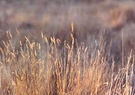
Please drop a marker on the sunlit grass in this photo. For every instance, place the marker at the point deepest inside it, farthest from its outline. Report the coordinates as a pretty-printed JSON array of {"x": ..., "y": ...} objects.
[{"x": 52, "y": 67}]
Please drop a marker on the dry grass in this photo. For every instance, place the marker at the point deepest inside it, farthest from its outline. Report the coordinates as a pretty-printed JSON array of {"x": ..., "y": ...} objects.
[
  {"x": 47, "y": 68},
  {"x": 63, "y": 62}
]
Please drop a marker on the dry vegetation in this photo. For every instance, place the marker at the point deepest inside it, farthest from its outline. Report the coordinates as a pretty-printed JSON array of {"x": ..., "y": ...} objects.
[
  {"x": 46, "y": 68},
  {"x": 47, "y": 56}
]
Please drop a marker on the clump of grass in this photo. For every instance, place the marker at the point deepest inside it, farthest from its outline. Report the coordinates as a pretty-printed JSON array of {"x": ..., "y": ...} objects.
[{"x": 52, "y": 67}]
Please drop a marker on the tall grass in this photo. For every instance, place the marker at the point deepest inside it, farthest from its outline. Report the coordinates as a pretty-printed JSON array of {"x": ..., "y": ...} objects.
[{"x": 52, "y": 67}]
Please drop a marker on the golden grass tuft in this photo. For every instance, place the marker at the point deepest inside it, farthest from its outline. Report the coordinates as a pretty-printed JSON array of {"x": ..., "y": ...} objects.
[{"x": 47, "y": 68}]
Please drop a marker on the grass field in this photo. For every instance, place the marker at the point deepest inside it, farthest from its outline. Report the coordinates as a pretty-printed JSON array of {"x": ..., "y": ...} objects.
[
  {"x": 67, "y": 48},
  {"x": 47, "y": 68}
]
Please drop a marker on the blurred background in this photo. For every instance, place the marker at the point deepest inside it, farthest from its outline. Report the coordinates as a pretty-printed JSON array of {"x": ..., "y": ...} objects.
[{"x": 53, "y": 18}]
